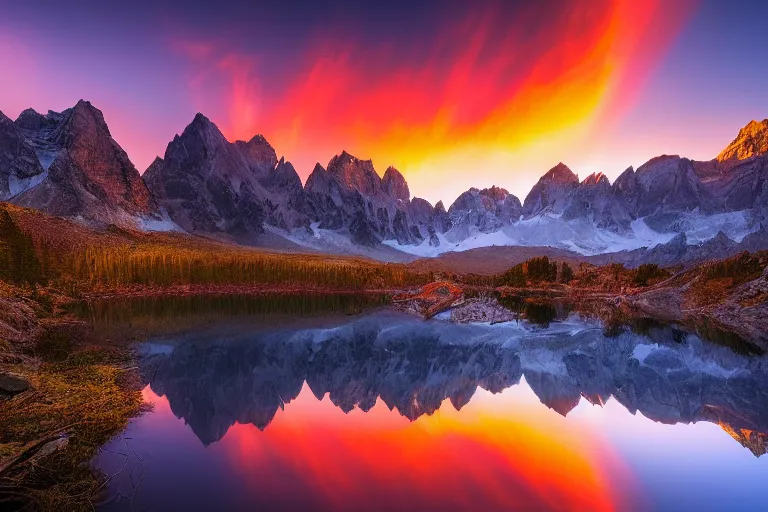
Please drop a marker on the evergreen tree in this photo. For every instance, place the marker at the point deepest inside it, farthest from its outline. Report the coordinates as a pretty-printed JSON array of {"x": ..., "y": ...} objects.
[
  {"x": 541, "y": 269},
  {"x": 514, "y": 277},
  {"x": 566, "y": 273}
]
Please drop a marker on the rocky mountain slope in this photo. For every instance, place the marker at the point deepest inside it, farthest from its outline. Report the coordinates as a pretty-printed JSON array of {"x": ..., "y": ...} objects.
[
  {"x": 209, "y": 185},
  {"x": 348, "y": 207},
  {"x": 68, "y": 164}
]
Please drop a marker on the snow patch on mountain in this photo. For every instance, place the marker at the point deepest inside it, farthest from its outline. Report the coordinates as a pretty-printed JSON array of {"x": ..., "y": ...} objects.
[
  {"x": 46, "y": 157},
  {"x": 583, "y": 237},
  {"x": 164, "y": 224},
  {"x": 700, "y": 228},
  {"x": 577, "y": 235},
  {"x": 16, "y": 186},
  {"x": 334, "y": 242}
]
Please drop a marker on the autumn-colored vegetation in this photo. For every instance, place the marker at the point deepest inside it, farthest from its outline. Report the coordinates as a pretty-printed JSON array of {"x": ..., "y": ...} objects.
[
  {"x": 430, "y": 299},
  {"x": 19, "y": 261},
  {"x": 536, "y": 271},
  {"x": 716, "y": 280},
  {"x": 162, "y": 266},
  {"x": 649, "y": 273},
  {"x": 740, "y": 269},
  {"x": 117, "y": 259}
]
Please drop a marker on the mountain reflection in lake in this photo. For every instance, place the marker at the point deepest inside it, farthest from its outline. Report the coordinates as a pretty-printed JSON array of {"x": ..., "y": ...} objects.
[{"x": 387, "y": 412}]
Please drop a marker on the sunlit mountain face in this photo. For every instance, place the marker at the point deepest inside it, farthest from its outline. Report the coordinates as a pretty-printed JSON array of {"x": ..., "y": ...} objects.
[
  {"x": 452, "y": 94},
  {"x": 383, "y": 412}
]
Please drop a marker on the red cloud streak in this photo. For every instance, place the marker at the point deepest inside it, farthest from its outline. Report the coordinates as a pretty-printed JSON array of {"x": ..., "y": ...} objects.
[{"x": 490, "y": 83}]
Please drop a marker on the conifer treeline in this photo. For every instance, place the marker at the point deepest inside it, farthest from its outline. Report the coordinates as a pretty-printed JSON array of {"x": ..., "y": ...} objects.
[
  {"x": 536, "y": 270},
  {"x": 163, "y": 266}
]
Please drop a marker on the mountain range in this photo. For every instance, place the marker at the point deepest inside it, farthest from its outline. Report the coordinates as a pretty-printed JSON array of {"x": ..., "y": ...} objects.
[{"x": 68, "y": 164}]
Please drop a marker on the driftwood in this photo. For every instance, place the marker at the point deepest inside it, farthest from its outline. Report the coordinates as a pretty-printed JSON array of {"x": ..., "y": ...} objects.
[
  {"x": 40, "y": 447},
  {"x": 34, "y": 447}
]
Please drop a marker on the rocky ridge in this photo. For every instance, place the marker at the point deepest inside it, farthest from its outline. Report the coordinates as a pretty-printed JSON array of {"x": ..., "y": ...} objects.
[
  {"x": 78, "y": 169},
  {"x": 68, "y": 164}
]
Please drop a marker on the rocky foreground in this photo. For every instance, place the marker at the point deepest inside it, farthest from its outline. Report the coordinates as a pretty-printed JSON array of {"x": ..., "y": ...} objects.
[
  {"x": 709, "y": 297},
  {"x": 725, "y": 299}
]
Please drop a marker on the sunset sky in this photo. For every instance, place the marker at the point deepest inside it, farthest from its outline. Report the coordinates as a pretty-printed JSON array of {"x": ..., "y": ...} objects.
[{"x": 454, "y": 94}]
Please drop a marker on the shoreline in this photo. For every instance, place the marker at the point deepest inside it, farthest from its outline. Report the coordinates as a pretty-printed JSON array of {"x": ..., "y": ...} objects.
[{"x": 149, "y": 291}]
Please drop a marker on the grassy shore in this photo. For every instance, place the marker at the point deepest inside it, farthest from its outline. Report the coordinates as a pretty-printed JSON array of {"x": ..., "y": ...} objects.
[{"x": 79, "y": 396}]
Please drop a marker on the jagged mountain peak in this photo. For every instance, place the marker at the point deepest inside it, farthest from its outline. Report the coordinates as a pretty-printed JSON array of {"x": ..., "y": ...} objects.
[
  {"x": 258, "y": 139},
  {"x": 30, "y": 119},
  {"x": 394, "y": 184},
  {"x": 552, "y": 192},
  {"x": 201, "y": 132},
  {"x": 285, "y": 164},
  {"x": 752, "y": 140},
  {"x": 721, "y": 237},
  {"x": 19, "y": 166},
  {"x": 85, "y": 105},
  {"x": 87, "y": 173},
  {"x": 283, "y": 177},
  {"x": 202, "y": 125},
  {"x": 655, "y": 161},
  {"x": 495, "y": 193},
  {"x": 626, "y": 180},
  {"x": 260, "y": 156},
  {"x": 85, "y": 116},
  {"x": 355, "y": 173},
  {"x": 153, "y": 167},
  {"x": 596, "y": 178},
  {"x": 346, "y": 158},
  {"x": 560, "y": 173},
  {"x": 201, "y": 119}
]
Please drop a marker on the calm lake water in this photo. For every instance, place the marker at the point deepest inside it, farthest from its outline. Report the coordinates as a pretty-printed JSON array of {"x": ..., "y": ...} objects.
[{"x": 258, "y": 408}]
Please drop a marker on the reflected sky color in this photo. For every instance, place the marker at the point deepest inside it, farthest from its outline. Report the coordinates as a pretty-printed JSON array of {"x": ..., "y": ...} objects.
[
  {"x": 500, "y": 452},
  {"x": 492, "y": 93}
]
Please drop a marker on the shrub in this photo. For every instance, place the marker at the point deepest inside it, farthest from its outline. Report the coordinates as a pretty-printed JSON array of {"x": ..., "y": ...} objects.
[
  {"x": 648, "y": 272},
  {"x": 616, "y": 270},
  {"x": 514, "y": 277},
  {"x": 741, "y": 268},
  {"x": 541, "y": 269}
]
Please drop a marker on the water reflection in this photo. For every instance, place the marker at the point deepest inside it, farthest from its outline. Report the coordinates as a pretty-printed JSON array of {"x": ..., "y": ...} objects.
[{"x": 214, "y": 380}]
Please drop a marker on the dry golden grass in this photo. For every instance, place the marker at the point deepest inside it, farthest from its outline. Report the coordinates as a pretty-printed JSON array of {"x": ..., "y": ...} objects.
[
  {"x": 161, "y": 265},
  {"x": 80, "y": 402},
  {"x": 75, "y": 259}
]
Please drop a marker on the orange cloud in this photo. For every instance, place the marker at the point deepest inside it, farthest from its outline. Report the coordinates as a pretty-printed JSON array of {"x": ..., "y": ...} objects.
[{"x": 508, "y": 95}]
